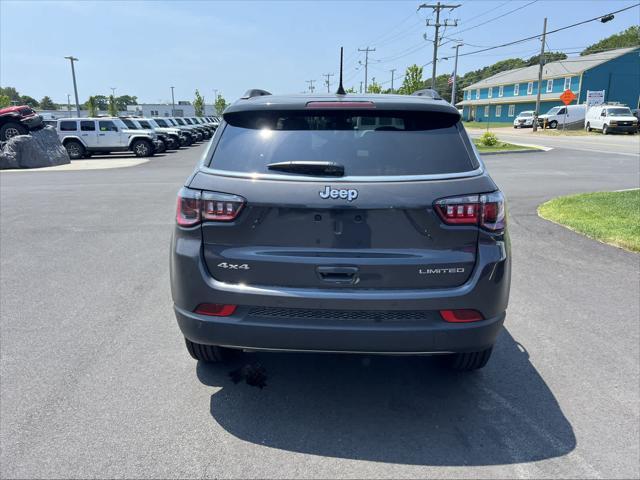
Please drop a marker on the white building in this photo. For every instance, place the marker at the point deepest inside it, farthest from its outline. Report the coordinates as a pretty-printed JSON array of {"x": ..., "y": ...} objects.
[{"x": 165, "y": 110}]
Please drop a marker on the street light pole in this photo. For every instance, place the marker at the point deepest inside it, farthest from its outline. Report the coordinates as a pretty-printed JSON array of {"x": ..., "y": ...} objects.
[
  {"x": 69, "y": 104},
  {"x": 173, "y": 103},
  {"x": 455, "y": 75},
  {"x": 75, "y": 86}
]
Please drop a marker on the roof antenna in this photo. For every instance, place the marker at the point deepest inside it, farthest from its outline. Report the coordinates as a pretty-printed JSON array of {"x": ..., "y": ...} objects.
[{"x": 340, "y": 87}]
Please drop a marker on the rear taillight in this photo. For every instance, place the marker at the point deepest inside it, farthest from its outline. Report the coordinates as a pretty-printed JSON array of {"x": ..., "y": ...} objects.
[
  {"x": 486, "y": 210},
  {"x": 220, "y": 207},
  {"x": 215, "y": 309},
  {"x": 188, "y": 208},
  {"x": 461, "y": 315},
  {"x": 195, "y": 207}
]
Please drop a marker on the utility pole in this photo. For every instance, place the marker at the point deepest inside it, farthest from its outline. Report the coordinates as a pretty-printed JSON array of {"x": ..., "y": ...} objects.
[
  {"x": 173, "y": 103},
  {"x": 437, "y": 8},
  {"x": 455, "y": 75},
  {"x": 311, "y": 87},
  {"x": 360, "y": 86},
  {"x": 113, "y": 91},
  {"x": 366, "y": 65},
  {"x": 328, "y": 80},
  {"x": 537, "y": 112},
  {"x": 393, "y": 71},
  {"x": 75, "y": 86}
]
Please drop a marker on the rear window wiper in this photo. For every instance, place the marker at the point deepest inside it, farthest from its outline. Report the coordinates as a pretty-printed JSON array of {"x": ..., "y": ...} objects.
[{"x": 327, "y": 169}]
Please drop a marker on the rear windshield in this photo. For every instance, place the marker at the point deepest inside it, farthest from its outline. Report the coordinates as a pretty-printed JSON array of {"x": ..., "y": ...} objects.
[{"x": 365, "y": 143}]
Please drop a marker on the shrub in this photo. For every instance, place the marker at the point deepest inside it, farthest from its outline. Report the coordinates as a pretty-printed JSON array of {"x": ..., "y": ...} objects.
[{"x": 489, "y": 139}]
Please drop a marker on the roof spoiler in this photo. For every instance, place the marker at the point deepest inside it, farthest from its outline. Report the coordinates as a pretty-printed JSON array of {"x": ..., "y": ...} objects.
[
  {"x": 254, "y": 92},
  {"x": 427, "y": 92}
]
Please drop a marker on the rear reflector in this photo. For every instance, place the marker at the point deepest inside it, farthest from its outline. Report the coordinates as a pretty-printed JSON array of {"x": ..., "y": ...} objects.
[
  {"x": 215, "y": 309},
  {"x": 341, "y": 105},
  {"x": 461, "y": 316}
]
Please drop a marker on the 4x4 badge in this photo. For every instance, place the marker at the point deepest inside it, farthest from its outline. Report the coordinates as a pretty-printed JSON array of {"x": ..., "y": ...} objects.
[{"x": 345, "y": 194}]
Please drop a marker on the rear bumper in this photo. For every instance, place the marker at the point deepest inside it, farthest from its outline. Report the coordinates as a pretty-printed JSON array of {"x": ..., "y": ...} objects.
[
  {"x": 255, "y": 333},
  {"x": 487, "y": 291}
]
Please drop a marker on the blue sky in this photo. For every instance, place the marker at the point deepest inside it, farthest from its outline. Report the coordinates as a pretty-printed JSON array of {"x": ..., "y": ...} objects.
[{"x": 144, "y": 47}]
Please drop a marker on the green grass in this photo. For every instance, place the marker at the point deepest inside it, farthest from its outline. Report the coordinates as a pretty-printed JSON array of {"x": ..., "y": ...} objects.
[
  {"x": 610, "y": 217},
  {"x": 499, "y": 147},
  {"x": 490, "y": 124}
]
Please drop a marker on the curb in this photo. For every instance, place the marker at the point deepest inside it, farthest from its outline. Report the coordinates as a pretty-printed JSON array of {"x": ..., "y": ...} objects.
[{"x": 511, "y": 151}]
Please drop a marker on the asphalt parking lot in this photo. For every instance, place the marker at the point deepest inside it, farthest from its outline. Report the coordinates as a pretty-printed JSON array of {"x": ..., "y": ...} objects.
[{"x": 96, "y": 381}]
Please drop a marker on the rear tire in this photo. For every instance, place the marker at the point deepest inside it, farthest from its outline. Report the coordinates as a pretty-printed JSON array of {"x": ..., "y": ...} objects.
[
  {"x": 162, "y": 147},
  {"x": 75, "y": 149},
  {"x": 469, "y": 361},
  {"x": 207, "y": 353}
]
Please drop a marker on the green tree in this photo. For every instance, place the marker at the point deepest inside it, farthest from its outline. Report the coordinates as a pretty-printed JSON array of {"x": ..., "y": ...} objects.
[
  {"x": 548, "y": 57},
  {"x": 124, "y": 100},
  {"x": 412, "y": 80},
  {"x": 374, "y": 87},
  {"x": 198, "y": 104},
  {"x": 92, "y": 106},
  {"x": 101, "y": 102},
  {"x": 47, "y": 104},
  {"x": 351, "y": 90},
  {"x": 10, "y": 92},
  {"x": 627, "y": 38},
  {"x": 220, "y": 104},
  {"x": 112, "y": 108},
  {"x": 5, "y": 101},
  {"x": 27, "y": 100}
]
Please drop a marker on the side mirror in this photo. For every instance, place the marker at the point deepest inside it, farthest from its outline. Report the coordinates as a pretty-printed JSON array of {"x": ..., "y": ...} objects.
[{"x": 603, "y": 114}]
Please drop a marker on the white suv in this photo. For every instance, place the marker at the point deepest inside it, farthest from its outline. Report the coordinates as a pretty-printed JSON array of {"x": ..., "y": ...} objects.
[
  {"x": 83, "y": 137},
  {"x": 524, "y": 119}
]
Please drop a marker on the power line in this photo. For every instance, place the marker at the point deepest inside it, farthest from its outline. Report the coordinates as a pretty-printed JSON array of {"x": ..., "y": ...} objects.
[
  {"x": 549, "y": 32},
  {"x": 457, "y": 32}
]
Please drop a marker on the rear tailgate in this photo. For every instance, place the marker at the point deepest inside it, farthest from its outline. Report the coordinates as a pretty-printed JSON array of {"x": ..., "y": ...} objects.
[{"x": 374, "y": 228}]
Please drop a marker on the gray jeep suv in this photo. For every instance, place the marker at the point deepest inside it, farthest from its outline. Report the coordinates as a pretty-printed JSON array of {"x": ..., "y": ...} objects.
[{"x": 360, "y": 224}]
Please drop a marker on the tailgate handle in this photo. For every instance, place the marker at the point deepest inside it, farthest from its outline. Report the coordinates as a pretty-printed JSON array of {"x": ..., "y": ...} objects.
[{"x": 339, "y": 275}]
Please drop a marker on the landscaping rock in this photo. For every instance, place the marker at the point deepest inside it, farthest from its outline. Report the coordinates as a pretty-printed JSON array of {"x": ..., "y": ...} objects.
[{"x": 41, "y": 148}]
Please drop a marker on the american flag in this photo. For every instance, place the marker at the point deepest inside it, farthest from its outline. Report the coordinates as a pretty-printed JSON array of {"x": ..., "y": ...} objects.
[{"x": 450, "y": 80}]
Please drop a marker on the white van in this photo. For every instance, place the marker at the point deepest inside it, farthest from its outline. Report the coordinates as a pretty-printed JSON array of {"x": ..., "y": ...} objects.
[
  {"x": 611, "y": 118},
  {"x": 569, "y": 116}
]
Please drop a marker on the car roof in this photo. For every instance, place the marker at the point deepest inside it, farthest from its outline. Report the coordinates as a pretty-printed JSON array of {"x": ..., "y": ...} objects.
[{"x": 299, "y": 102}]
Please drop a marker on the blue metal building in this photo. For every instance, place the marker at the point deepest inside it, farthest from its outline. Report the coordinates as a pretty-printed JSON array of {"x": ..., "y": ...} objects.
[{"x": 501, "y": 97}]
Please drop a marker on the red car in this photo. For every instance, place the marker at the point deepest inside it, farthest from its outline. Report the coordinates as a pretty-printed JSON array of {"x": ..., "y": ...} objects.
[{"x": 18, "y": 120}]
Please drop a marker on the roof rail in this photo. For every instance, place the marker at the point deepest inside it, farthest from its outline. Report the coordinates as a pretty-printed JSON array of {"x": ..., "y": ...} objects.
[
  {"x": 427, "y": 92},
  {"x": 254, "y": 92}
]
